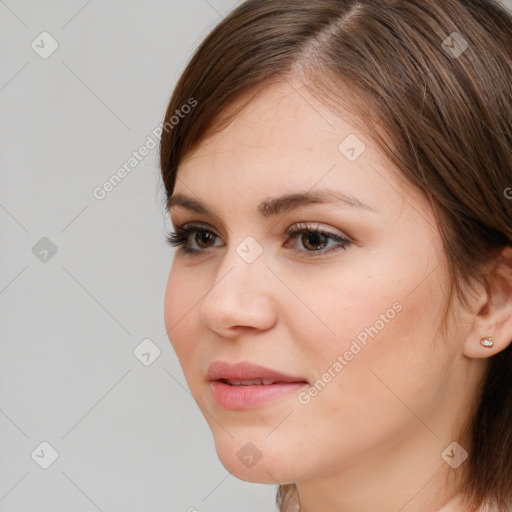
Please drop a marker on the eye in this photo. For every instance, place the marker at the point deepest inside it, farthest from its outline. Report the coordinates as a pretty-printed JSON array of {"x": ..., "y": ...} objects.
[
  {"x": 203, "y": 237},
  {"x": 314, "y": 239}
]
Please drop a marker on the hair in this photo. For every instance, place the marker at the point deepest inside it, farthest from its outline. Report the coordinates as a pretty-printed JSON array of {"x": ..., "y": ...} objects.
[{"x": 443, "y": 118}]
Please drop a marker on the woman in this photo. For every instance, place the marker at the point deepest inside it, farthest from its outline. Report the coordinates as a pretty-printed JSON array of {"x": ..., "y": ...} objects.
[{"x": 339, "y": 173}]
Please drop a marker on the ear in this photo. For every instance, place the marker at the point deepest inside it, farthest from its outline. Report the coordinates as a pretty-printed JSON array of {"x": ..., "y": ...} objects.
[{"x": 494, "y": 311}]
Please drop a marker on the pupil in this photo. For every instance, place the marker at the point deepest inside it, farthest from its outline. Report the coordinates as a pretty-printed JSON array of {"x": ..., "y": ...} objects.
[
  {"x": 314, "y": 238},
  {"x": 203, "y": 237}
]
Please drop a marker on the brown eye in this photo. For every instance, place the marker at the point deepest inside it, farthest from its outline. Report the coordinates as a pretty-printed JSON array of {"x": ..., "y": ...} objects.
[
  {"x": 313, "y": 239},
  {"x": 192, "y": 239},
  {"x": 203, "y": 238}
]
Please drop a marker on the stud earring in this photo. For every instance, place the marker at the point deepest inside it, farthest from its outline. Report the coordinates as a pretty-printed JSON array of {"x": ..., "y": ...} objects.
[{"x": 487, "y": 342}]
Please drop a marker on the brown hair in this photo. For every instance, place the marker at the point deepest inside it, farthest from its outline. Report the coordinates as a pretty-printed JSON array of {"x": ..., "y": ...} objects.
[{"x": 440, "y": 111}]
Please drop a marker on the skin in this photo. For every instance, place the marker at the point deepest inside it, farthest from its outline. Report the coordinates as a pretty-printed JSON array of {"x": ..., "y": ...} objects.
[{"x": 372, "y": 438}]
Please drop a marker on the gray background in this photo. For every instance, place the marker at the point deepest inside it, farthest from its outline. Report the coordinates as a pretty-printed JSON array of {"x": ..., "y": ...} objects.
[{"x": 129, "y": 437}]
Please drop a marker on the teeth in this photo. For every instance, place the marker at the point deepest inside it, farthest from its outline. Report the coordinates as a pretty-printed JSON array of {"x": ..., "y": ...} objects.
[{"x": 250, "y": 382}]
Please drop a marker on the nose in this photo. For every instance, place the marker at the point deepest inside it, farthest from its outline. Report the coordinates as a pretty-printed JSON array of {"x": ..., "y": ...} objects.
[{"x": 240, "y": 297}]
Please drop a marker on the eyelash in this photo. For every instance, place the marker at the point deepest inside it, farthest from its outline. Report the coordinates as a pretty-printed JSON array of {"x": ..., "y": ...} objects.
[{"x": 181, "y": 235}]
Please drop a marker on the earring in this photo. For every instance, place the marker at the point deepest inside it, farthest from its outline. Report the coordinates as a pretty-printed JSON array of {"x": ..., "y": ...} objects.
[{"x": 487, "y": 342}]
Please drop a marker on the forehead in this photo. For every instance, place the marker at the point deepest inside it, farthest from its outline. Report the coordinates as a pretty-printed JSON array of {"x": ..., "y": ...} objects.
[
  {"x": 281, "y": 123},
  {"x": 285, "y": 140},
  {"x": 276, "y": 116}
]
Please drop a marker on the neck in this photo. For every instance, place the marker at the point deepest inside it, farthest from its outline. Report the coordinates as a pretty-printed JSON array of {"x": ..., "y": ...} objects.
[{"x": 410, "y": 476}]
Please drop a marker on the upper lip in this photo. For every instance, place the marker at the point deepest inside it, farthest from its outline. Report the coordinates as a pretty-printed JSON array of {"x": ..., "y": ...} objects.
[{"x": 219, "y": 370}]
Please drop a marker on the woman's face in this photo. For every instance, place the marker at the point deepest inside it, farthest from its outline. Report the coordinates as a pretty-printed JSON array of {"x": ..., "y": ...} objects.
[{"x": 358, "y": 322}]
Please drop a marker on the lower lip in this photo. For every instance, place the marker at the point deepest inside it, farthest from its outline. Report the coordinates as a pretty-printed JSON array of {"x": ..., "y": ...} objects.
[{"x": 246, "y": 397}]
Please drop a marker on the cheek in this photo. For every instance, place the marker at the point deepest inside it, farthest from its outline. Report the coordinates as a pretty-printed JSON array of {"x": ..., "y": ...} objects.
[
  {"x": 180, "y": 323},
  {"x": 384, "y": 349},
  {"x": 380, "y": 322}
]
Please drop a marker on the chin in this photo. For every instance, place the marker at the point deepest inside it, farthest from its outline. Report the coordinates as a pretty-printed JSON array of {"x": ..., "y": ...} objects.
[{"x": 254, "y": 460}]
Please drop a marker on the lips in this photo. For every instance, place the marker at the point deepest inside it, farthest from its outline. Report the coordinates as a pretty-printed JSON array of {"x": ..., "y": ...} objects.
[
  {"x": 243, "y": 385},
  {"x": 249, "y": 382},
  {"x": 247, "y": 374}
]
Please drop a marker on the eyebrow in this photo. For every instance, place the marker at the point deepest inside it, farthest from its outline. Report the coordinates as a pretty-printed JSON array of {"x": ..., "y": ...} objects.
[{"x": 278, "y": 205}]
